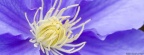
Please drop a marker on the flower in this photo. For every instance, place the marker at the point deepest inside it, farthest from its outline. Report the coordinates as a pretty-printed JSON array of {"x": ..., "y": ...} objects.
[{"x": 15, "y": 30}]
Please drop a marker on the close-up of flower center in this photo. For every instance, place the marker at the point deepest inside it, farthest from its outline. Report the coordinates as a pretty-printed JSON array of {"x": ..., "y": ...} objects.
[
  {"x": 71, "y": 27},
  {"x": 53, "y": 31}
]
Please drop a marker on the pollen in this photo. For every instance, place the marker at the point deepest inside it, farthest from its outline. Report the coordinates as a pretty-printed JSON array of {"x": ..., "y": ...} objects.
[{"x": 53, "y": 32}]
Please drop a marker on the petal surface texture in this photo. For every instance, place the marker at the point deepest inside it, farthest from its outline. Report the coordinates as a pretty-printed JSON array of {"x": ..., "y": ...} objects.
[
  {"x": 119, "y": 43},
  {"x": 109, "y": 16},
  {"x": 16, "y": 45}
]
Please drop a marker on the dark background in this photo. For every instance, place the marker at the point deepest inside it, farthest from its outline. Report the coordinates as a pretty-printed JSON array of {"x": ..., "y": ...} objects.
[{"x": 142, "y": 28}]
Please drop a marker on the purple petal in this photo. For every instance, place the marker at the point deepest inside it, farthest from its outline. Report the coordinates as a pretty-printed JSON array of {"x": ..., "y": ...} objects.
[
  {"x": 112, "y": 16},
  {"x": 12, "y": 14},
  {"x": 70, "y": 12},
  {"x": 119, "y": 43},
  {"x": 16, "y": 45},
  {"x": 76, "y": 53},
  {"x": 12, "y": 17},
  {"x": 32, "y": 4},
  {"x": 94, "y": 7}
]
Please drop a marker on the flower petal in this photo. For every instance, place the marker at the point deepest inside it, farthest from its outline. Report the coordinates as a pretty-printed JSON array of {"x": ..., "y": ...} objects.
[
  {"x": 16, "y": 45},
  {"x": 12, "y": 14},
  {"x": 112, "y": 16},
  {"x": 32, "y": 4},
  {"x": 119, "y": 43},
  {"x": 71, "y": 11},
  {"x": 76, "y": 53}
]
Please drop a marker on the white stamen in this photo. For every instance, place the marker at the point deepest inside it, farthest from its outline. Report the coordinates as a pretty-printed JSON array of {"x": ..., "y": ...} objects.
[
  {"x": 71, "y": 6},
  {"x": 77, "y": 35},
  {"x": 58, "y": 53},
  {"x": 46, "y": 51},
  {"x": 76, "y": 21},
  {"x": 32, "y": 32},
  {"x": 49, "y": 13},
  {"x": 33, "y": 41},
  {"x": 42, "y": 48},
  {"x": 36, "y": 45},
  {"x": 62, "y": 10},
  {"x": 54, "y": 53},
  {"x": 36, "y": 13},
  {"x": 75, "y": 15},
  {"x": 73, "y": 28},
  {"x": 55, "y": 13},
  {"x": 74, "y": 45},
  {"x": 55, "y": 3},
  {"x": 41, "y": 13},
  {"x": 60, "y": 1},
  {"x": 27, "y": 19},
  {"x": 64, "y": 18}
]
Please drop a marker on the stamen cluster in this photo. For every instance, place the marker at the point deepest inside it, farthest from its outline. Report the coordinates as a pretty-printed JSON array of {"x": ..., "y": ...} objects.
[{"x": 53, "y": 32}]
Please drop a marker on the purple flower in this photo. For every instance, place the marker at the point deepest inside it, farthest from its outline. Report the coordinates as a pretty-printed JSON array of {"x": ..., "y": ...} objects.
[{"x": 92, "y": 27}]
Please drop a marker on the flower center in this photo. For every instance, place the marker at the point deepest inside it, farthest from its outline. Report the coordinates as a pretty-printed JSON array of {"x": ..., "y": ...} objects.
[
  {"x": 51, "y": 33},
  {"x": 54, "y": 32}
]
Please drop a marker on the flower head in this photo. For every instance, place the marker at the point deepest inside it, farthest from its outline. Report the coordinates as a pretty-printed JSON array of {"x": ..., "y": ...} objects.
[
  {"x": 68, "y": 30},
  {"x": 54, "y": 31}
]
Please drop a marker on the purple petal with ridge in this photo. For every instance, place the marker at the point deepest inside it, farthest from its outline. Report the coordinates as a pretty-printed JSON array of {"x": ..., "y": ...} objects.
[
  {"x": 109, "y": 16},
  {"x": 119, "y": 43},
  {"x": 12, "y": 14},
  {"x": 16, "y": 45}
]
